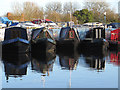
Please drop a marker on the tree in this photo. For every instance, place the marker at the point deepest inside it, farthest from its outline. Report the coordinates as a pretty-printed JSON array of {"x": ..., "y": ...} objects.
[
  {"x": 69, "y": 7},
  {"x": 53, "y": 11},
  {"x": 54, "y": 6},
  {"x": 32, "y": 11},
  {"x": 83, "y": 16},
  {"x": 111, "y": 16},
  {"x": 98, "y": 9},
  {"x": 17, "y": 8}
]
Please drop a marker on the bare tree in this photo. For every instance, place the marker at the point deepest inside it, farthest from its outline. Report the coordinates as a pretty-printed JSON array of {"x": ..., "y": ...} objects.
[
  {"x": 32, "y": 10},
  {"x": 54, "y": 6},
  {"x": 98, "y": 9},
  {"x": 98, "y": 6},
  {"x": 17, "y": 8},
  {"x": 70, "y": 7}
]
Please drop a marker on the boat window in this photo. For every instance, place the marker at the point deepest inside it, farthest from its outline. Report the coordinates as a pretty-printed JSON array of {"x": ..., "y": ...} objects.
[{"x": 64, "y": 32}]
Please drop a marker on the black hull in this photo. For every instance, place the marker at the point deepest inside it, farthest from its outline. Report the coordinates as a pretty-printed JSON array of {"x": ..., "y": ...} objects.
[
  {"x": 95, "y": 46},
  {"x": 114, "y": 45},
  {"x": 15, "y": 47},
  {"x": 43, "y": 46},
  {"x": 67, "y": 45},
  {"x": 46, "y": 56}
]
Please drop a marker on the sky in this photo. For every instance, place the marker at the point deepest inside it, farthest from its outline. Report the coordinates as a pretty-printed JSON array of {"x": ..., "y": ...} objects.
[{"x": 6, "y": 5}]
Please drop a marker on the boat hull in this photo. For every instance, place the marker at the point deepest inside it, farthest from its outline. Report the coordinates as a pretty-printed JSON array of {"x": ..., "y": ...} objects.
[
  {"x": 67, "y": 45},
  {"x": 96, "y": 45},
  {"x": 114, "y": 45},
  {"x": 17, "y": 46},
  {"x": 42, "y": 46}
]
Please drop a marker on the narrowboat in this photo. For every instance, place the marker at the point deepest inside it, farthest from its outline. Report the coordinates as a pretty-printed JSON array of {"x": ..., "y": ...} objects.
[
  {"x": 94, "y": 39},
  {"x": 42, "y": 40},
  {"x": 15, "y": 40},
  {"x": 68, "y": 39},
  {"x": 56, "y": 32},
  {"x": 114, "y": 42}
]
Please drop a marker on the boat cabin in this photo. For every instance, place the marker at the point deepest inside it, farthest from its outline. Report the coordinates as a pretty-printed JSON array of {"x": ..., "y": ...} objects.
[
  {"x": 68, "y": 33},
  {"x": 41, "y": 33},
  {"x": 115, "y": 35},
  {"x": 95, "y": 33},
  {"x": 15, "y": 32}
]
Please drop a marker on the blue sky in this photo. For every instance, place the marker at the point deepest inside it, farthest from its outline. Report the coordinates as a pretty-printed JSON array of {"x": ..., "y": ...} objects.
[{"x": 5, "y": 5}]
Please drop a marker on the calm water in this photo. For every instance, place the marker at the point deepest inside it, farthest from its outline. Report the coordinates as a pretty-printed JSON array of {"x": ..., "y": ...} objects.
[{"x": 74, "y": 70}]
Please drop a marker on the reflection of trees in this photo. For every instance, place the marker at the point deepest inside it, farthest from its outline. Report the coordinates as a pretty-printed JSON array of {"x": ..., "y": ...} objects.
[{"x": 15, "y": 65}]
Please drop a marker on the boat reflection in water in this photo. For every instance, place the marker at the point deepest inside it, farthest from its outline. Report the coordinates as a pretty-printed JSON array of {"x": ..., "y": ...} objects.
[
  {"x": 43, "y": 63},
  {"x": 115, "y": 57},
  {"x": 15, "y": 65},
  {"x": 68, "y": 60},
  {"x": 95, "y": 60}
]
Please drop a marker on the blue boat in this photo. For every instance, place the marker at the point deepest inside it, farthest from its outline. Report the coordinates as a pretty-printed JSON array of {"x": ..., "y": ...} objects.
[{"x": 15, "y": 40}]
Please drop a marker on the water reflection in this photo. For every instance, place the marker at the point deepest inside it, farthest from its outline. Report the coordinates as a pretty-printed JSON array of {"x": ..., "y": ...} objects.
[
  {"x": 43, "y": 63},
  {"x": 73, "y": 64},
  {"x": 114, "y": 57},
  {"x": 95, "y": 60},
  {"x": 68, "y": 60},
  {"x": 15, "y": 65}
]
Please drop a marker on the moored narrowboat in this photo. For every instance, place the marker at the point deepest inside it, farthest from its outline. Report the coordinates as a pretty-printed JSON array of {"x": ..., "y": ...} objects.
[
  {"x": 114, "y": 41},
  {"x": 68, "y": 39},
  {"x": 15, "y": 40},
  {"x": 42, "y": 40},
  {"x": 94, "y": 39}
]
